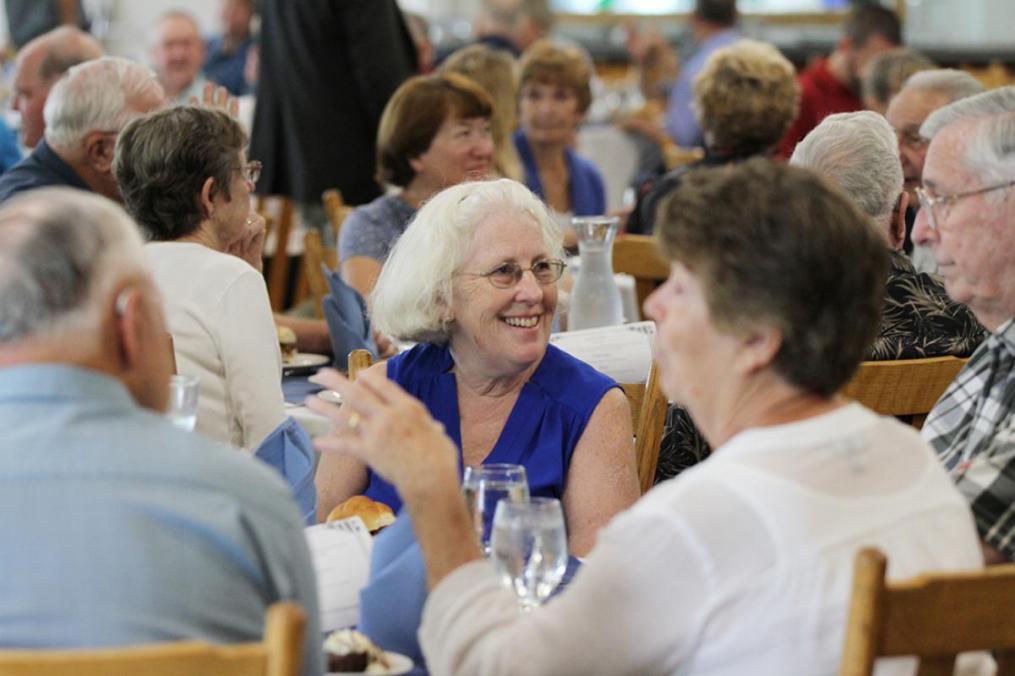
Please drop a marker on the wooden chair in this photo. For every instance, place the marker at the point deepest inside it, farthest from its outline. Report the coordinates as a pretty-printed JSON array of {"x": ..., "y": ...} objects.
[
  {"x": 314, "y": 255},
  {"x": 648, "y": 415},
  {"x": 933, "y": 617},
  {"x": 908, "y": 387},
  {"x": 337, "y": 210},
  {"x": 636, "y": 255},
  {"x": 358, "y": 361},
  {"x": 280, "y": 653},
  {"x": 278, "y": 214}
]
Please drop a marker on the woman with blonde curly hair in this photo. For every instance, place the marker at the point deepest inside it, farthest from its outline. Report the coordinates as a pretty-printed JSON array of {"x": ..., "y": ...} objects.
[
  {"x": 745, "y": 97},
  {"x": 495, "y": 71}
]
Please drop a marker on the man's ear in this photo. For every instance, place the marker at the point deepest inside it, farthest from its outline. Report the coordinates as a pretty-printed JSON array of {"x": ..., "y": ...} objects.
[
  {"x": 99, "y": 150},
  {"x": 897, "y": 227},
  {"x": 130, "y": 328}
]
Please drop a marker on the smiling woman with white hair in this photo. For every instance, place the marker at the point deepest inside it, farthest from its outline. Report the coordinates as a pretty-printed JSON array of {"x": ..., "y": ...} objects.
[
  {"x": 858, "y": 153},
  {"x": 474, "y": 280}
]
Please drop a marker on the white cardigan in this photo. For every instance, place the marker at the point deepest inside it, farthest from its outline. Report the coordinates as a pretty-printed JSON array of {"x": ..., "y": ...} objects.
[
  {"x": 740, "y": 565},
  {"x": 223, "y": 332}
]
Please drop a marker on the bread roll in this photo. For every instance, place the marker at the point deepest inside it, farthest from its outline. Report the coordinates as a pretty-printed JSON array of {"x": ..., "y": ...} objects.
[{"x": 376, "y": 515}]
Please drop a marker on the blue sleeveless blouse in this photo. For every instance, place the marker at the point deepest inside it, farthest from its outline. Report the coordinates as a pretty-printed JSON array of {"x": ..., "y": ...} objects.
[{"x": 541, "y": 431}]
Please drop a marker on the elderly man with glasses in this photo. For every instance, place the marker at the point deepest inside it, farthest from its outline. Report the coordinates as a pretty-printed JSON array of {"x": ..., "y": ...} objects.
[{"x": 967, "y": 218}]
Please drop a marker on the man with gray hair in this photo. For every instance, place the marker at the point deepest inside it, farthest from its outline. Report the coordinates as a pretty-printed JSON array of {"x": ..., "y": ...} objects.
[
  {"x": 39, "y": 65},
  {"x": 84, "y": 114},
  {"x": 513, "y": 25},
  {"x": 858, "y": 153},
  {"x": 121, "y": 528},
  {"x": 967, "y": 218},
  {"x": 922, "y": 94}
]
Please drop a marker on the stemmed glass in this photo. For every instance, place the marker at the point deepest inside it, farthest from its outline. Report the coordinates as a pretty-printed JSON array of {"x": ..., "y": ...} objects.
[
  {"x": 484, "y": 486},
  {"x": 529, "y": 548},
  {"x": 183, "y": 392}
]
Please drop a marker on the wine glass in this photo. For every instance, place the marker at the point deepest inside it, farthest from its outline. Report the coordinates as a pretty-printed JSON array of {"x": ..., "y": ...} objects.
[
  {"x": 182, "y": 410},
  {"x": 484, "y": 486},
  {"x": 529, "y": 548}
]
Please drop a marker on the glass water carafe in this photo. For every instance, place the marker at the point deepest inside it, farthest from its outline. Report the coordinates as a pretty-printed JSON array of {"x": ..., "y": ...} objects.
[{"x": 595, "y": 299}]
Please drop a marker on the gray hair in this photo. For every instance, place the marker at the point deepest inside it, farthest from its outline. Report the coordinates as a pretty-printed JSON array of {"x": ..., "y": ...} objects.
[
  {"x": 889, "y": 71},
  {"x": 985, "y": 104},
  {"x": 857, "y": 152},
  {"x": 989, "y": 147},
  {"x": 414, "y": 290},
  {"x": 950, "y": 83},
  {"x": 99, "y": 95},
  {"x": 61, "y": 251}
]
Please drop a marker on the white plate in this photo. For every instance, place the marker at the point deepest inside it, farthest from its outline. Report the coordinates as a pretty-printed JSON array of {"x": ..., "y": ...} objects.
[
  {"x": 330, "y": 396},
  {"x": 304, "y": 362},
  {"x": 400, "y": 664}
]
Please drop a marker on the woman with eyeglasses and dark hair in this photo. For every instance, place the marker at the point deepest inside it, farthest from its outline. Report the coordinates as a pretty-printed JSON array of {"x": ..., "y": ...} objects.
[{"x": 184, "y": 176}]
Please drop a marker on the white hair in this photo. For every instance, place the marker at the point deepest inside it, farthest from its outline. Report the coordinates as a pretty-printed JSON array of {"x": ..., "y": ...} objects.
[
  {"x": 857, "y": 152},
  {"x": 414, "y": 291},
  {"x": 989, "y": 147},
  {"x": 61, "y": 252},
  {"x": 951, "y": 83},
  {"x": 99, "y": 95}
]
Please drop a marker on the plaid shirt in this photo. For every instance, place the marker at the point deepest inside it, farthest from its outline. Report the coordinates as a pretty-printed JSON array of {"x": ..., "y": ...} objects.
[{"x": 972, "y": 429}]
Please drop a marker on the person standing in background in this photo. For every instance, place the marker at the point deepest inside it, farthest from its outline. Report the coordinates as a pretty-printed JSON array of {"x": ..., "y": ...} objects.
[
  {"x": 327, "y": 69},
  {"x": 713, "y": 26},
  {"x": 28, "y": 19},
  {"x": 227, "y": 53},
  {"x": 832, "y": 85}
]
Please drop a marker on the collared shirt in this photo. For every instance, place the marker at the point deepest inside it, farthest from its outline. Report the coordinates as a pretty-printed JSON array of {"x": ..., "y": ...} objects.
[
  {"x": 117, "y": 528},
  {"x": 226, "y": 67},
  {"x": 681, "y": 121},
  {"x": 42, "y": 168},
  {"x": 921, "y": 320},
  {"x": 972, "y": 428},
  {"x": 821, "y": 94}
]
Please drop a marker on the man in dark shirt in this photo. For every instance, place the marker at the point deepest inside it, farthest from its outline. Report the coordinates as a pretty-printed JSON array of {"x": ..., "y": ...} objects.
[
  {"x": 227, "y": 53},
  {"x": 858, "y": 153},
  {"x": 832, "y": 85},
  {"x": 84, "y": 114}
]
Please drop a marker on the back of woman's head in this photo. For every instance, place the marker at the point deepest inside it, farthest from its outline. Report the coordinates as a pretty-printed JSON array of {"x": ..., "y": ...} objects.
[
  {"x": 414, "y": 291},
  {"x": 746, "y": 96},
  {"x": 163, "y": 160},
  {"x": 774, "y": 245},
  {"x": 413, "y": 116}
]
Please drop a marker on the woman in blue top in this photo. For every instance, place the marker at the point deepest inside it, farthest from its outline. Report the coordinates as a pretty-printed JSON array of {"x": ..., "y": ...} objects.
[
  {"x": 553, "y": 96},
  {"x": 474, "y": 281}
]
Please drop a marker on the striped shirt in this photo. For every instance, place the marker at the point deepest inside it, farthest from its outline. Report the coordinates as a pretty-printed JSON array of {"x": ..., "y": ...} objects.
[{"x": 972, "y": 429}]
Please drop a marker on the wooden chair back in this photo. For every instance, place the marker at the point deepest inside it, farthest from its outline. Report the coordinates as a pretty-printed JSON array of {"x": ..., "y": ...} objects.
[
  {"x": 278, "y": 214},
  {"x": 337, "y": 210},
  {"x": 636, "y": 255},
  {"x": 648, "y": 415},
  {"x": 359, "y": 360},
  {"x": 280, "y": 653},
  {"x": 314, "y": 255},
  {"x": 908, "y": 387},
  {"x": 933, "y": 617}
]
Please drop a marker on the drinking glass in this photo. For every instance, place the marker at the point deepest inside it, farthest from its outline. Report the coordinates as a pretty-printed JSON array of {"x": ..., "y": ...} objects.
[
  {"x": 484, "y": 486},
  {"x": 529, "y": 548},
  {"x": 182, "y": 410}
]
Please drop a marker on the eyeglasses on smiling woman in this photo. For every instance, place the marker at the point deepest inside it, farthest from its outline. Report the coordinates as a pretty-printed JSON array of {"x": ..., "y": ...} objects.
[
  {"x": 506, "y": 275},
  {"x": 928, "y": 201}
]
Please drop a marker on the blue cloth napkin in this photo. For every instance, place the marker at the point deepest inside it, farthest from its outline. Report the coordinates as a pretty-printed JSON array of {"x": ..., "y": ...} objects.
[
  {"x": 288, "y": 449},
  {"x": 296, "y": 389},
  {"x": 346, "y": 314}
]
